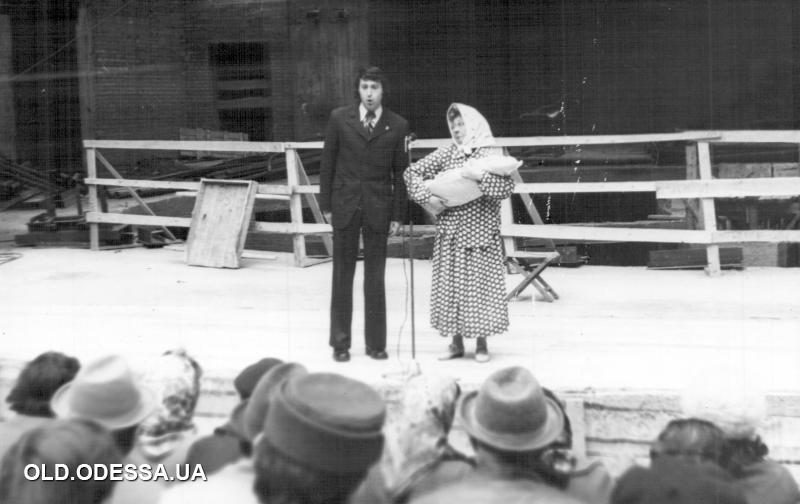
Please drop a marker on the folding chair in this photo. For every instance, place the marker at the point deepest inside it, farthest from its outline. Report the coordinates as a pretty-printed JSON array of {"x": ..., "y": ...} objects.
[{"x": 529, "y": 264}]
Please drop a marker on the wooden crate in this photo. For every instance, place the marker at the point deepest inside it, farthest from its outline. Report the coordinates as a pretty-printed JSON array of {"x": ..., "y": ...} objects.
[{"x": 220, "y": 220}]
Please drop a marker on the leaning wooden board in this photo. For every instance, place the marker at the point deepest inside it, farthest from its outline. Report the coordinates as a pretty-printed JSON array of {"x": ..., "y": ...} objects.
[{"x": 220, "y": 219}]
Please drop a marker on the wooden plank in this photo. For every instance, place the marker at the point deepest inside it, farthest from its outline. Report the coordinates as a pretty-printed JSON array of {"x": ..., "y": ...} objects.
[
  {"x": 584, "y": 187},
  {"x": 147, "y": 184},
  {"x": 274, "y": 189},
  {"x": 292, "y": 228},
  {"x": 94, "y": 204},
  {"x": 295, "y": 206},
  {"x": 137, "y": 220},
  {"x": 312, "y": 203},
  {"x": 709, "y": 211},
  {"x": 606, "y": 234},
  {"x": 220, "y": 220},
  {"x": 757, "y": 136},
  {"x": 307, "y": 189},
  {"x": 756, "y": 235},
  {"x": 579, "y": 140},
  {"x": 784, "y": 187},
  {"x": 211, "y": 146},
  {"x": 303, "y": 145}
]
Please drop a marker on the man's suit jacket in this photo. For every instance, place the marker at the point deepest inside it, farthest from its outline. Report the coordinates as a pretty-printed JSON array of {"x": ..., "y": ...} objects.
[{"x": 358, "y": 168}]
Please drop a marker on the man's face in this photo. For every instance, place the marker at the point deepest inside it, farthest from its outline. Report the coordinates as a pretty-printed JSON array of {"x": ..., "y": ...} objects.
[{"x": 371, "y": 93}]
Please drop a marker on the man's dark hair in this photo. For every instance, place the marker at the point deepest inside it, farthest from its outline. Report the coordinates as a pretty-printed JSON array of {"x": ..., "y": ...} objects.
[
  {"x": 281, "y": 479},
  {"x": 371, "y": 73},
  {"x": 39, "y": 380}
]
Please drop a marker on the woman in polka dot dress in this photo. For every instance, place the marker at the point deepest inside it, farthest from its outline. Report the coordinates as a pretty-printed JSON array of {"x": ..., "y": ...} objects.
[{"x": 468, "y": 288}]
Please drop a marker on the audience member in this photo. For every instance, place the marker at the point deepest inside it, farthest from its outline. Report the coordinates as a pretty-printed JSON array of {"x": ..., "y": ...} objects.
[
  {"x": 512, "y": 425},
  {"x": 30, "y": 396},
  {"x": 587, "y": 480},
  {"x": 165, "y": 436},
  {"x": 234, "y": 481},
  {"x": 673, "y": 480},
  {"x": 739, "y": 414},
  {"x": 417, "y": 457},
  {"x": 225, "y": 444},
  {"x": 692, "y": 440},
  {"x": 107, "y": 391},
  {"x": 321, "y": 434},
  {"x": 68, "y": 442}
]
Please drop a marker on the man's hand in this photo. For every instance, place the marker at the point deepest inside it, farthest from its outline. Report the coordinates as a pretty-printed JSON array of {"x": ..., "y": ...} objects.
[
  {"x": 394, "y": 228},
  {"x": 328, "y": 217}
]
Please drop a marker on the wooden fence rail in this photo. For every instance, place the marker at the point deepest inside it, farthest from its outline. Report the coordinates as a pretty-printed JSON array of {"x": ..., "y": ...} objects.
[{"x": 698, "y": 152}]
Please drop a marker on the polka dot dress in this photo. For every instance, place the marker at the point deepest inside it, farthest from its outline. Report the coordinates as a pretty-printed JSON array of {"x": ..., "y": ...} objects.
[{"x": 468, "y": 287}]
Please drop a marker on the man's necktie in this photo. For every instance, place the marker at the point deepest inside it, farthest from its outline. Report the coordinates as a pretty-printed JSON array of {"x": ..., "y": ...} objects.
[{"x": 368, "y": 118}]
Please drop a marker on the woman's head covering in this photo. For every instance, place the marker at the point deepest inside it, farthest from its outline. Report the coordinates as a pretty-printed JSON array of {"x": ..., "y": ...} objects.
[
  {"x": 175, "y": 376},
  {"x": 478, "y": 134},
  {"x": 416, "y": 438}
]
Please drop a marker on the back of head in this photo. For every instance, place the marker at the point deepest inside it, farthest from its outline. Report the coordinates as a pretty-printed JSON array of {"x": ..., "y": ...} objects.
[
  {"x": 321, "y": 434},
  {"x": 671, "y": 480},
  {"x": 38, "y": 381},
  {"x": 68, "y": 442},
  {"x": 693, "y": 440},
  {"x": 246, "y": 380}
]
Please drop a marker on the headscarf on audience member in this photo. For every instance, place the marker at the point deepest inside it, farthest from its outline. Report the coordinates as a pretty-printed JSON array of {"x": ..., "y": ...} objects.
[
  {"x": 416, "y": 438},
  {"x": 175, "y": 377}
]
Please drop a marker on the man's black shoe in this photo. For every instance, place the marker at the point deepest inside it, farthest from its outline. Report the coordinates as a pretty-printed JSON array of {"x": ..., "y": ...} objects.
[
  {"x": 377, "y": 354},
  {"x": 341, "y": 355}
]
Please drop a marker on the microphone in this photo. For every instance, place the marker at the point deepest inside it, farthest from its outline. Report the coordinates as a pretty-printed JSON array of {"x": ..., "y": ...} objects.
[{"x": 410, "y": 138}]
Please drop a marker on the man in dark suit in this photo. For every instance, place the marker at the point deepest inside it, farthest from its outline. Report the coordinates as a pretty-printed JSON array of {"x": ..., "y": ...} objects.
[{"x": 362, "y": 193}]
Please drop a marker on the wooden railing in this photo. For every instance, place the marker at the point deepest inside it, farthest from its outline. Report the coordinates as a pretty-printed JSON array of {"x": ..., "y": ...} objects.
[
  {"x": 297, "y": 185},
  {"x": 705, "y": 189}
]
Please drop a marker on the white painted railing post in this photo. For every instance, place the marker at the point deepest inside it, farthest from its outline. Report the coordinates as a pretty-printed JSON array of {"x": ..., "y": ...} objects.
[
  {"x": 295, "y": 207},
  {"x": 709, "y": 212},
  {"x": 94, "y": 206}
]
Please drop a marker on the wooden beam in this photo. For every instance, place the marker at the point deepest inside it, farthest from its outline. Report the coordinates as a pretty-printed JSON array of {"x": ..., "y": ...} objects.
[
  {"x": 729, "y": 188},
  {"x": 756, "y": 235},
  {"x": 295, "y": 207},
  {"x": 148, "y": 184},
  {"x": 584, "y": 187},
  {"x": 313, "y": 204},
  {"x": 186, "y": 145},
  {"x": 94, "y": 204},
  {"x": 606, "y": 234},
  {"x": 709, "y": 211},
  {"x": 292, "y": 228},
  {"x": 690, "y": 136},
  {"x": 756, "y": 136},
  {"x": 137, "y": 220}
]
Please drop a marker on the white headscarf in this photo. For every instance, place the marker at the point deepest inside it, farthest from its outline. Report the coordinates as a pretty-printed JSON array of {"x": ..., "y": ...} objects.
[{"x": 478, "y": 133}]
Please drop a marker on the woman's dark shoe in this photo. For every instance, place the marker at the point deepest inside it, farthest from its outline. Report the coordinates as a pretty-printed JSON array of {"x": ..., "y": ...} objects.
[
  {"x": 377, "y": 354},
  {"x": 455, "y": 350},
  {"x": 482, "y": 351}
]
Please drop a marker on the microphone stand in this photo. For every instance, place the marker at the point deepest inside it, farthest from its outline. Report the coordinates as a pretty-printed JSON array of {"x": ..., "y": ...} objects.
[
  {"x": 409, "y": 138},
  {"x": 413, "y": 368}
]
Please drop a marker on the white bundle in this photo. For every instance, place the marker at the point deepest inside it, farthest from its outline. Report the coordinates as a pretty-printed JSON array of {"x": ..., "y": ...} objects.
[{"x": 454, "y": 189}]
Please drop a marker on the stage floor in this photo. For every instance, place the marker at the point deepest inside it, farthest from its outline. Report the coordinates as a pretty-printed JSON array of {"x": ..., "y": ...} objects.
[{"x": 614, "y": 328}]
